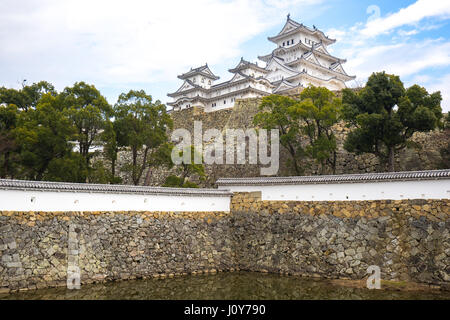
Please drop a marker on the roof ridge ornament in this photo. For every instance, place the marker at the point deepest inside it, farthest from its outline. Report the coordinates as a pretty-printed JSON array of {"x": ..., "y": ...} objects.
[{"x": 288, "y": 16}]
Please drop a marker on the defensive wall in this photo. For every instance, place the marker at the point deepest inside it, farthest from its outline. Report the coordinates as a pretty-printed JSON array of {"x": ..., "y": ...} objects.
[{"x": 325, "y": 226}]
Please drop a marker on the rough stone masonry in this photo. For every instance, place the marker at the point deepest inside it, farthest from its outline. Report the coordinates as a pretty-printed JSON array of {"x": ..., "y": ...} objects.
[{"x": 408, "y": 239}]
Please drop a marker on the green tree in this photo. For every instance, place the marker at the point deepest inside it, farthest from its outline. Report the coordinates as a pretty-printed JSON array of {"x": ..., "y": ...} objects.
[
  {"x": 318, "y": 110},
  {"x": 446, "y": 121},
  {"x": 88, "y": 111},
  {"x": 111, "y": 147},
  {"x": 279, "y": 112},
  {"x": 98, "y": 173},
  {"x": 8, "y": 145},
  {"x": 27, "y": 97},
  {"x": 160, "y": 157},
  {"x": 385, "y": 116},
  {"x": 142, "y": 125},
  {"x": 69, "y": 168},
  {"x": 186, "y": 170},
  {"x": 44, "y": 134}
]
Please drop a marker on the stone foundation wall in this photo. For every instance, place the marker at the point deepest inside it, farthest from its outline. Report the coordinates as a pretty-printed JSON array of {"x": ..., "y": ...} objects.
[
  {"x": 408, "y": 239},
  {"x": 37, "y": 248}
]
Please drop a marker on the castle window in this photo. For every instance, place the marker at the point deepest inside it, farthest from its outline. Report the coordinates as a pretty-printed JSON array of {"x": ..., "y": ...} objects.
[
  {"x": 209, "y": 82},
  {"x": 292, "y": 41},
  {"x": 283, "y": 44},
  {"x": 224, "y": 101}
]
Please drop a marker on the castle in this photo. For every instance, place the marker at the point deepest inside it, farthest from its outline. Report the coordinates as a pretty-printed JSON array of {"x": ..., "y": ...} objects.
[{"x": 300, "y": 59}]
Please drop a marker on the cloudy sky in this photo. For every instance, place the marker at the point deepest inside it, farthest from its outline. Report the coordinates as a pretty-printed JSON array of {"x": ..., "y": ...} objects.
[{"x": 123, "y": 45}]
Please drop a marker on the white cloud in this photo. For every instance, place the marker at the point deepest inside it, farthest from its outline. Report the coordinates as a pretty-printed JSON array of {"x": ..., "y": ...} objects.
[
  {"x": 412, "y": 14},
  {"x": 121, "y": 42},
  {"x": 404, "y": 33},
  {"x": 404, "y": 59},
  {"x": 433, "y": 84},
  {"x": 405, "y": 53}
]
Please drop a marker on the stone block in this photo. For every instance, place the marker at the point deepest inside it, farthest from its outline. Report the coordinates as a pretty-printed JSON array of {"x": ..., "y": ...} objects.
[
  {"x": 6, "y": 258},
  {"x": 14, "y": 264}
]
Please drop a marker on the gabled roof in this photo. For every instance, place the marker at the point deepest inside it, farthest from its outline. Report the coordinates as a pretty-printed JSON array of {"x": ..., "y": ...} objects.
[
  {"x": 285, "y": 86},
  {"x": 292, "y": 27},
  {"x": 279, "y": 62},
  {"x": 319, "y": 49},
  {"x": 289, "y": 26},
  {"x": 310, "y": 56},
  {"x": 203, "y": 70},
  {"x": 344, "y": 76},
  {"x": 239, "y": 76},
  {"x": 306, "y": 75},
  {"x": 187, "y": 85},
  {"x": 244, "y": 64},
  {"x": 266, "y": 57},
  {"x": 338, "y": 67},
  {"x": 198, "y": 98}
]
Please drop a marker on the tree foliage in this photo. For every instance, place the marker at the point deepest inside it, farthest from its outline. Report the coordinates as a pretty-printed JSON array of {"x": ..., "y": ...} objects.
[
  {"x": 278, "y": 112},
  {"x": 142, "y": 126},
  {"x": 8, "y": 145},
  {"x": 49, "y": 135},
  {"x": 88, "y": 111},
  {"x": 186, "y": 170},
  {"x": 318, "y": 110},
  {"x": 385, "y": 115},
  {"x": 28, "y": 97},
  {"x": 305, "y": 125},
  {"x": 44, "y": 134}
]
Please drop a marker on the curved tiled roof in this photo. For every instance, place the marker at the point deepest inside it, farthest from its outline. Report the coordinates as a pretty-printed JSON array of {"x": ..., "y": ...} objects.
[
  {"x": 337, "y": 73},
  {"x": 306, "y": 74},
  {"x": 244, "y": 64},
  {"x": 203, "y": 70},
  {"x": 307, "y": 48},
  {"x": 106, "y": 188},
  {"x": 179, "y": 91},
  {"x": 344, "y": 178},
  {"x": 227, "y": 94},
  {"x": 298, "y": 26}
]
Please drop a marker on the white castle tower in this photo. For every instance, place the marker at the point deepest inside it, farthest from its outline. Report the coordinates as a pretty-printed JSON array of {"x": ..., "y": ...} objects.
[{"x": 301, "y": 59}]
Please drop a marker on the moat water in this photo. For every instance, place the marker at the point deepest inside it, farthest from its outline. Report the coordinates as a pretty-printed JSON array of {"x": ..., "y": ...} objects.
[{"x": 223, "y": 286}]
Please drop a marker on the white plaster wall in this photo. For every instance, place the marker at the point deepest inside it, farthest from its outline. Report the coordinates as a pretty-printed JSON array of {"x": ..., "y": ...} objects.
[
  {"x": 18, "y": 200},
  {"x": 220, "y": 105},
  {"x": 395, "y": 190}
]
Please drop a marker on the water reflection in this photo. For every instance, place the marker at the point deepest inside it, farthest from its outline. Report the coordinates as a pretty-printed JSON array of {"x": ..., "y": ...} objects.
[{"x": 223, "y": 286}]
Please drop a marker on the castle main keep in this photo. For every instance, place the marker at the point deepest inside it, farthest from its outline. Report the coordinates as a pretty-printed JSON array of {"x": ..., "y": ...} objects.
[{"x": 299, "y": 60}]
